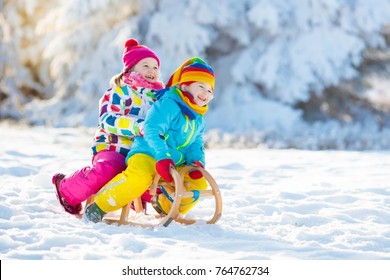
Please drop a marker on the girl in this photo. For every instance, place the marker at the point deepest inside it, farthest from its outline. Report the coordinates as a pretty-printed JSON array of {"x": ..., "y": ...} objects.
[{"x": 122, "y": 111}]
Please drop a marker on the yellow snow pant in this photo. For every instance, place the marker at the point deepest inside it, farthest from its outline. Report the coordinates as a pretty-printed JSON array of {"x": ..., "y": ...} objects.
[{"x": 135, "y": 180}]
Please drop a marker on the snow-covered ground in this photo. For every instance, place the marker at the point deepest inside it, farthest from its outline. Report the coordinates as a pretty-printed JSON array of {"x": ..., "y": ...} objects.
[{"x": 277, "y": 204}]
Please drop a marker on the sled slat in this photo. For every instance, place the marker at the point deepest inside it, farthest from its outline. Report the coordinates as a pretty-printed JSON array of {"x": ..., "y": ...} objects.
[{"x": 204, "y": 193}]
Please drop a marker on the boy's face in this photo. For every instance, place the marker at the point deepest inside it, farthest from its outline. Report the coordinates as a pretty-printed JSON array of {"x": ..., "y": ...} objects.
[
  {"x": 148, "y": 68},
  {"x": 202, "y": 92}
]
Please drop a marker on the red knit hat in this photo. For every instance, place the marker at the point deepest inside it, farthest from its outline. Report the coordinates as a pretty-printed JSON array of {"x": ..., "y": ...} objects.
[{"x": 134, "y": 52}]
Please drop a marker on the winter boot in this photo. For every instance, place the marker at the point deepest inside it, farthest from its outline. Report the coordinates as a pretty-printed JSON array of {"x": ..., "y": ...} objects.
[
  {"x": 93, "y": 213},
  {"x": 71, "y": 209}
]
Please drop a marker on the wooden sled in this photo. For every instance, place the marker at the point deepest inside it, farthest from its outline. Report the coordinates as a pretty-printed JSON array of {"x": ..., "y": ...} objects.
[{"x": 179, "y": 193}]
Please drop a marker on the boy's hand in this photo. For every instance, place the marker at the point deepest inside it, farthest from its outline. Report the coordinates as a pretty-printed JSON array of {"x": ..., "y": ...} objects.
[
  {"x": 196, "y": 174},
  {"x": 163, "y": 168}
]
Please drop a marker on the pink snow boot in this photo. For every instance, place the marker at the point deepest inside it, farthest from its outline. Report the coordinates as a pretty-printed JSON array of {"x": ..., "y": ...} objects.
[{"x": 71, "y": 209}]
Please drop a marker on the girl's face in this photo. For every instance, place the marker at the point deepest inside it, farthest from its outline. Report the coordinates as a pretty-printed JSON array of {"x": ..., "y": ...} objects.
[
  {"x": 148, "y": 68},
  {"x": 202, "y": 92}
]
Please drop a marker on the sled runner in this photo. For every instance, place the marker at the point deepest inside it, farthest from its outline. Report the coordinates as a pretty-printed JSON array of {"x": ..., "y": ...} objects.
[{"x": 179, "y": 193}]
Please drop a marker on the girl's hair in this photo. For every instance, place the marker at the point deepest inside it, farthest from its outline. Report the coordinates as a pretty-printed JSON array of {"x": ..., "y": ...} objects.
[{"x": 117, "y": 80}]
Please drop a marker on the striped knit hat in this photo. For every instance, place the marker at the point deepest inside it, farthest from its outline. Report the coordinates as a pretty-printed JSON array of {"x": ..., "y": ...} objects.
[
  {"x": 193, "y": 70},
  {"x": 134, "y": 53}
]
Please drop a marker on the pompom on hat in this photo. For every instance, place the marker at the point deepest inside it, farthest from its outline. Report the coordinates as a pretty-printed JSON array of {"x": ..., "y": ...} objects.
[
  {"x": 193, "y": 70},
  {"x": 134, "y": 52}
]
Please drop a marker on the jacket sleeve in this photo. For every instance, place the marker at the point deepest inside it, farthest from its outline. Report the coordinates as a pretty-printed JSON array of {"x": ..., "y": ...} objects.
[
  {"x": 115, "y": 114},
  {"x": 196, "y": 151},
  {"x": 157, "y": 123}
]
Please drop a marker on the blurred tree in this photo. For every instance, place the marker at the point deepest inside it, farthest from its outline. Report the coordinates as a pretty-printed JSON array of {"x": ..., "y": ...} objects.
[{"x": 310, "y": 61}]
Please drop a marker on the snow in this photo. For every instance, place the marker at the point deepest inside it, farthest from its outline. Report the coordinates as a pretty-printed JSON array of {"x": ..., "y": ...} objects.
[
  {"x": 278, "y": 204},
  {"x": 303, "y": 171}
]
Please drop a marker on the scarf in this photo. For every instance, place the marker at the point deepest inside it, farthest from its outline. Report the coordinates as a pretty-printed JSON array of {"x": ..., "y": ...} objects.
[
  {"x": 189, "y": 101},
  {"x": 135, "y": 79}
]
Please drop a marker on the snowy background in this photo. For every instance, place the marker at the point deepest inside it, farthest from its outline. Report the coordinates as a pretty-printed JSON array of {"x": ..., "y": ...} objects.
[
  {"x": 290, "y": 74},
  {"x": 311, "y": 76}
]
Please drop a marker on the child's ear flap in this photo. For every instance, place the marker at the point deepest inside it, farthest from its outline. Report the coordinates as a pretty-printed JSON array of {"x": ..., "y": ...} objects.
[{"x": 183, "y": 87}]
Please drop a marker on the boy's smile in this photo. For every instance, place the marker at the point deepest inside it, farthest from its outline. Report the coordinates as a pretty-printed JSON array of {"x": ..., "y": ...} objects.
[{"x": 201, "y": 92}]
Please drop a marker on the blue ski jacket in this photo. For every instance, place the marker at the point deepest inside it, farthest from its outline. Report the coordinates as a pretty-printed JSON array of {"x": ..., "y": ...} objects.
[{"x": 172, "y": 130}]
